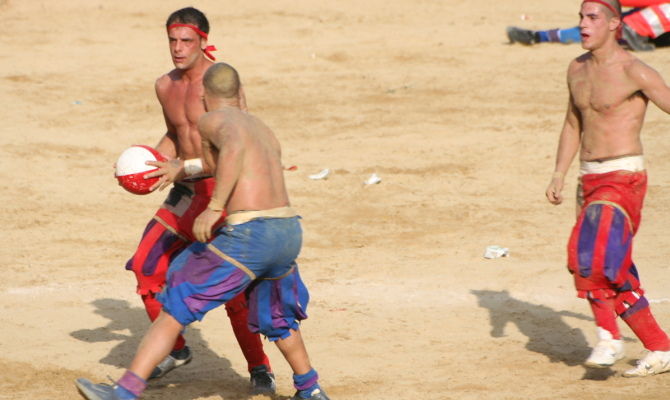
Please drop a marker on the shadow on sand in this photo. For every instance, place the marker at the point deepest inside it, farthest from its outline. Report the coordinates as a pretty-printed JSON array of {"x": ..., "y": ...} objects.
[
  {"x": 544, "y": 327},
  {"x": 207, "y": 375}
]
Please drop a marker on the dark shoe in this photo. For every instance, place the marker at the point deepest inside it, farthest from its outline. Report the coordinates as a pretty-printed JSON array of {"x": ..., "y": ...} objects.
[
  {"x": 95, "y": 391},
  {"x": 317, "y": 394},
  {"x": 262, "y": 381},
  {"x": 174, "y": 360},
  {"x": 636, "y": 42},
  {"x": 518, "y": 35}
]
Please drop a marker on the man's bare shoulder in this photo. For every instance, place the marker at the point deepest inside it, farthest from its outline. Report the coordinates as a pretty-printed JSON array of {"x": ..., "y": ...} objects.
[
  {"x": 208, "y": 121},
  {"x": 579, "y": 63},
  {"x": 165, "y": 82},
  {"x": 636, "y": 68},
  {"x": 213, "y": 122}
]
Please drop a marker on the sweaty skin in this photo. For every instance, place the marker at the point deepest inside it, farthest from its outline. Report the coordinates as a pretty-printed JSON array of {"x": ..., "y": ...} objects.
[
  {"x": 246, "y": 156},
  {"x": 609, "y": 91}
]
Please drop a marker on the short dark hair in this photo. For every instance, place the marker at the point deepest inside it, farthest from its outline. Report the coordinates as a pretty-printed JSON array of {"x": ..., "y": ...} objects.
[
  {"x": 222, "y": 80},
  {"x": 189, "y": 15}
]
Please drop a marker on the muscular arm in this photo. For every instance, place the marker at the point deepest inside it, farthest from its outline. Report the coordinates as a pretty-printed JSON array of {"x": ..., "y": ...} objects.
[
  {"x": 228, "y": 164},
  {"x": 228, "y": 167},
  {"x": 568, "y": 142},
  {"x": 568, "y": 145},
  {"x": 651, "y": 84}
]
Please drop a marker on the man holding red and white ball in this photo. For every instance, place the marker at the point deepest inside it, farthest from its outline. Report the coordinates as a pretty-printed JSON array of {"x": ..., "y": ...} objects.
[{"x": 180, "y": 94}]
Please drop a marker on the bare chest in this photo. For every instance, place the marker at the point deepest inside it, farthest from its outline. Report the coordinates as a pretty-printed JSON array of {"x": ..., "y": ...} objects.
[
  {"x": 184, "y": 106},
  {"x": 601, "y": 90}
]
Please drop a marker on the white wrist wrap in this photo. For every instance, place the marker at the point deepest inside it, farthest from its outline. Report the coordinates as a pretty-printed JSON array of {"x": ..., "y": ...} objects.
[{"x": 193, "y": 166}]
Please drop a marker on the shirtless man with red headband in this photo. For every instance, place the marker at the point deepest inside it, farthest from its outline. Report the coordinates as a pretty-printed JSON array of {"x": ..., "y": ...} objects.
[
  {"x": 180, "y": 94},
  {"x": 609, "y": 91}
]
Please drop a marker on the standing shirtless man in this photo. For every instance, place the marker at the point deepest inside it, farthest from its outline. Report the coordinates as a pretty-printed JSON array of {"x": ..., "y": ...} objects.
[
  {"x": 609, "y": 91},
  {"x": 180, "y": 94},
  {"x": 255, "y": 251}
]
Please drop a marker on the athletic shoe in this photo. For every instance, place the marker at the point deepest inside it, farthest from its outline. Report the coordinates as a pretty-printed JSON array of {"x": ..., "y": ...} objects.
[
  {"x": 523, "y": 36},
  {"x": 174, "y": 360},
  {"x": 262, "y": 380},
  {"x": 636, "y": 42},
  {"x": 95, "y": 391},
  {"x": 607, "y": 351},
  {"x": 655, "y": 362},
  {"x": 317, "y": 394}
]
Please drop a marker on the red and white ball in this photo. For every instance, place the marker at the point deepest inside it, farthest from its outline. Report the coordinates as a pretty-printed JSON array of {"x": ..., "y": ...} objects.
[{"x": 131, "y": 168}]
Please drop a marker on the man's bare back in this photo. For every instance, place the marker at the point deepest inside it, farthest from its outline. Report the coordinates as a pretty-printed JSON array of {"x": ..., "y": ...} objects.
[
  {"x": 247, "y": 159},
  {"x": 242, "y": 151}
]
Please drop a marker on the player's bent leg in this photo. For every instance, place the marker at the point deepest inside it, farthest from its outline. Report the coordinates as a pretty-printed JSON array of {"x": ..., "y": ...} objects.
[
  {"x": 634, "y": 309},
  {"x": 160, "y": 243},
  {"x": 188, "y": 297},
  {"x": 180, "y": 354},
  {"x": 305, "y": 378},
  {"x": 155, "y": 346},
  {"x": 276, "y": 306}
]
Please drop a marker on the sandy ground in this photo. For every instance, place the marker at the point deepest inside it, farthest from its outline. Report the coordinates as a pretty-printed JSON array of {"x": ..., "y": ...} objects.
[{"x": 460, "y": 126}]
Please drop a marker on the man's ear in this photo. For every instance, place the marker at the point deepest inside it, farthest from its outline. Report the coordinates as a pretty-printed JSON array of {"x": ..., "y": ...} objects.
[{"x": 615, "y": 23}]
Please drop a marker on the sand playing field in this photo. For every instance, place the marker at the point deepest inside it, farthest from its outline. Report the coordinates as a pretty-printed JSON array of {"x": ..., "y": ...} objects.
[{"x": 460, "y": 126}]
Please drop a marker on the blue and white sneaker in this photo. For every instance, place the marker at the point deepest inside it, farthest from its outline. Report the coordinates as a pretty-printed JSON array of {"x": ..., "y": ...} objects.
[{"x": 95, "y": 391}]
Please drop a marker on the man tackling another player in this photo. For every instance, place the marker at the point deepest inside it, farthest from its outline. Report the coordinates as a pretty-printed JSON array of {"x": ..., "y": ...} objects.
[
  {"x": 254, "y": 252},
  {"x": 170, "y": 231},
  {"x": 609, "y": 91}
]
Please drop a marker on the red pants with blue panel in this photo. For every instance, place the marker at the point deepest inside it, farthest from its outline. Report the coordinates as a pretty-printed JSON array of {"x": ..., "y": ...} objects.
[{"x": 600, "y": 255}]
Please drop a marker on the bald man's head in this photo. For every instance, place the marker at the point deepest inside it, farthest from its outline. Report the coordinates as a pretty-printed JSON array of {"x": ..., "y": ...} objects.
[{"x": 222, "y": 80}]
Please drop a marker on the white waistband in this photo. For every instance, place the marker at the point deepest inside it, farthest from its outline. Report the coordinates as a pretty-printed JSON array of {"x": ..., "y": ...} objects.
[
  {"x": 241, "y": 217},
  {"x": 629, "y": 163}
]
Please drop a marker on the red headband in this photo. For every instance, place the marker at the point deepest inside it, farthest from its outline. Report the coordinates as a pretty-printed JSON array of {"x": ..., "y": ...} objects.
[
  {"x": 604, "y": 3},
  {"x": 203, "y": 35}
]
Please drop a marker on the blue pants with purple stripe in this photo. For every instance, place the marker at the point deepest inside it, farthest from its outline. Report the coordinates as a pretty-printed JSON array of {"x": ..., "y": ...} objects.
[{"x": 257, "y": 257}]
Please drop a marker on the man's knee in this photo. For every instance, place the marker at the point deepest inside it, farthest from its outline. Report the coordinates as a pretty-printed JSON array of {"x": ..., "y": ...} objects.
[
  {"x": 157, "y": 248},
  {"x": 630, "y": 302}
]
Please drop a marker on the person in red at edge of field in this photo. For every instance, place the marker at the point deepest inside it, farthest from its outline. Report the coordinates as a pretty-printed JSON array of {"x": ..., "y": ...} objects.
[
  {"x": 180, "y": 94},
  {"x": 642, "y": 26},
  {"x": 609, "y": 92}
]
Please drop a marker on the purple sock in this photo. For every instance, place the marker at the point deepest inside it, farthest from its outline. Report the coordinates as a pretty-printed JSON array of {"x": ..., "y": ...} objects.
[
  {"x": 306, "y": 383},
  {"x": 130, "y": 386}
]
